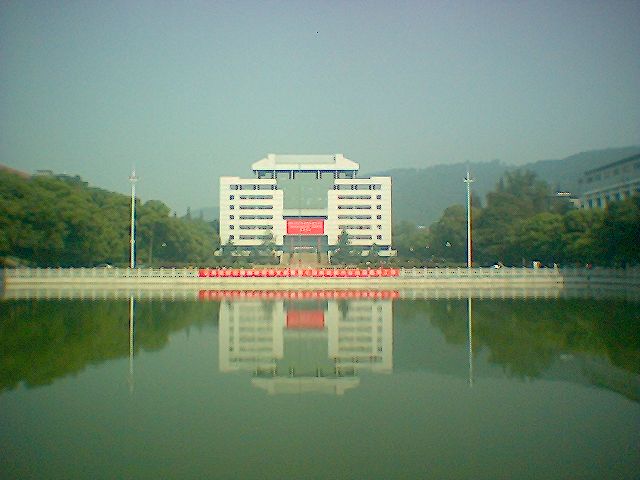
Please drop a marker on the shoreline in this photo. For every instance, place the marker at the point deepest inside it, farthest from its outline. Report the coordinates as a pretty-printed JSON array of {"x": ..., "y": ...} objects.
[{"x": 405, "y": 283}]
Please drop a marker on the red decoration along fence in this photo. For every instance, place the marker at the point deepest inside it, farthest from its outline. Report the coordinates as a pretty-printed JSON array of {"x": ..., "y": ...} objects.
[
  {"x": 298, "y": 294},
  {"x": 297, "y": 272}
]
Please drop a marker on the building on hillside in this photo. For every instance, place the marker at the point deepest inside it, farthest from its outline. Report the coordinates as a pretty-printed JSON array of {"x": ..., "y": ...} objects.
[
  {"x": 303, "y": 203},
  {"x": 615, "y": 181}
]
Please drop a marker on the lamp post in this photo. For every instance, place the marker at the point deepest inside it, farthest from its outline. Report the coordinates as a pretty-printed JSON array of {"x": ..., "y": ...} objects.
[
  {"x": 468, "y": 181},
  {"x": 133, "y": 179}
]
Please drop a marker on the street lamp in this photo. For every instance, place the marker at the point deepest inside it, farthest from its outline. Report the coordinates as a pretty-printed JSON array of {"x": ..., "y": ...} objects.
[
  {"x": 468, "y": 181},
  {"x": 133, "y": 179}
]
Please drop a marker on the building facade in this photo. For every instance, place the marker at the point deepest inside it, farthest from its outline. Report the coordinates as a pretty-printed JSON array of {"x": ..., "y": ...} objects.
[
  {"x": 304, "y": 202},
  {"x": 612, "y": 182}
]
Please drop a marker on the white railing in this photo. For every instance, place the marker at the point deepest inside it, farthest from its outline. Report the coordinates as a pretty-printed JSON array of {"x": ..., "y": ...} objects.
[
  {"x": 629, "y": 276},
  {"x": 479, "y": 273},
  {"x": 100, "y": 273}
]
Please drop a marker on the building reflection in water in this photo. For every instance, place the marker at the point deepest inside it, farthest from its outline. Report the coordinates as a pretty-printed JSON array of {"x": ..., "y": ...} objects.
[{"x": 316, "y": 342}]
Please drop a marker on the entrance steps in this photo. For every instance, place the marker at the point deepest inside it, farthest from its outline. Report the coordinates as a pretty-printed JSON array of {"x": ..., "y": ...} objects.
[{"x": 304, "y": 259}]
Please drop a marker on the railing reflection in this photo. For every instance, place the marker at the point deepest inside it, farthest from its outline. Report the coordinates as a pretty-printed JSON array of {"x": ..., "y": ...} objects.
[{"x": 180, "y": 293}]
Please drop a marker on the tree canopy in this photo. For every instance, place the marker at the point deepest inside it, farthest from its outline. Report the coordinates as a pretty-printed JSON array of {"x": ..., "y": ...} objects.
[
  {"x": 61, "y": 221},
  {"x": 524, "y": 222}
]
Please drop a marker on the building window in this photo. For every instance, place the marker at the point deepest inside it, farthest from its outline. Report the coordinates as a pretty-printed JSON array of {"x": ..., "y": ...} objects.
[
  {"x": 231, "y": 217},
  {"x": 354, "y": 207},
  {"x": 354, "y": 197},
  {"x": 378, "y": 197},
  {"x": 231, "y": 197},
  {"x": 256, "y": 197},
  {"x": 379, "y": 217},
  {"x": 379, "y": 227},
  {"x": 354, "y": 217},
  {"x": 233, "y": 187},
  {"x": 256, "y": 217},
  {"x": 231, "y": 207},
  {"x": 256, "y": 207},
  {"x": 379, "y": 207},
  {"x": 231, "y": 227},
  {"x": 379, "y": 237},
  {"x": 231, "y": 237}
]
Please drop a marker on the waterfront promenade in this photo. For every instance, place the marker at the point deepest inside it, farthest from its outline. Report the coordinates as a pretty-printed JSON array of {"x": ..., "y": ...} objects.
[{"x": 277, "y": 278}]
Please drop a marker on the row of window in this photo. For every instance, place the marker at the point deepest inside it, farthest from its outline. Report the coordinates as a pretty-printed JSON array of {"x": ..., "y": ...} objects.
[
  {"x": 358, "y": 197},
  {"x": 358, "y": 227},
  {"x": 250, "y": 237},
  {"x": 364, "y": 237},
  {"x": 253, "y": 187},
  {"x": 252, "y": 207},
  {"x": 609, "y": 173},
  {"x": 291, "y": 174},
  {"x": 256, "y": 227},
  {"x": 252, "y": 197},
  {"x": 358, "y": 217},
  {"x": 602, "y": 201},
  {"x": 358, "y": 186},
  {"x": 270, "y": 217},
  {"x": 263, "y": 237},
  {"x": 252, "y": 217},
  {"x": 358, "y": 207},
  {"x": 354, "y": 227},
  {"x": 252, "y": 227}
]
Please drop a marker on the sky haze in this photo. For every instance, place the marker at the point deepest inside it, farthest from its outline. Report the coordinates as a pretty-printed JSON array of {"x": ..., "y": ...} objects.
[{"x": 190, "y": 91}]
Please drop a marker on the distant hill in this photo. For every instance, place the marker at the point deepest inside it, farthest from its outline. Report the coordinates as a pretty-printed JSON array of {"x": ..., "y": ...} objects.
[
  {"x": 564, "y": 174},
  {"x": 421, "y": 195}
]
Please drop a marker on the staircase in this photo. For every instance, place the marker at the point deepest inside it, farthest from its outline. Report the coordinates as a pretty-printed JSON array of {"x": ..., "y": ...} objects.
[{"x": 304, "y": 259}]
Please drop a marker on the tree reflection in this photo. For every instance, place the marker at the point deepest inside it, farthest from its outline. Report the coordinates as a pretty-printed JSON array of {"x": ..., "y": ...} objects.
[{"x": 45, "y": 340}]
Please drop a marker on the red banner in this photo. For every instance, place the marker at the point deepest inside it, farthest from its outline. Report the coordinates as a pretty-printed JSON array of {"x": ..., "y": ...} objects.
[
  {"x": 298, "y": 294},
  {"x": 305, "y": 227},
  {"x": 305, "y": 319},
  {"x": 299, "y": 272}
]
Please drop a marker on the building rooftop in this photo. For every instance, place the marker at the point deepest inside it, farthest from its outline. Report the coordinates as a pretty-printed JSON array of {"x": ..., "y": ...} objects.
[
  {"x": 613, "y": 164},
  {"x": 329, "y": 162}
]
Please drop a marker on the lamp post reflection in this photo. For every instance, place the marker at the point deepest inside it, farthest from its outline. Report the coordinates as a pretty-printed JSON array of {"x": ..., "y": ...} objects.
[
  {"x": 131, "y": 320},
  {"x": 470, "y": 324}
]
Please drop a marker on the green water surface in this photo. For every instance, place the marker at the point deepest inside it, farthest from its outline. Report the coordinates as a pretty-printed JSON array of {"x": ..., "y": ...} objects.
[{"x": 335, "y": 389}]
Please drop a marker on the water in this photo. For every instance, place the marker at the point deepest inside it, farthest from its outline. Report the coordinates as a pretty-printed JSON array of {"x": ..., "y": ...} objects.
[{"x": 324, "y": 386}]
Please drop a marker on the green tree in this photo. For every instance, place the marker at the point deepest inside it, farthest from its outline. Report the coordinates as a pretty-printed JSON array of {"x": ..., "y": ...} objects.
[
  {"x": 620, "y": 232},
  {"x": 580, "y": 236},
  {"x": 519, "y": 195},
  {"x": 539, "y": 238},
  {"x": 449, "y": 234}
]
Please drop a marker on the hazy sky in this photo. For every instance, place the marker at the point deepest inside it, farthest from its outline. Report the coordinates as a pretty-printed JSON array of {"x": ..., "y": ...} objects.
[{"x": 189, "y": 91}]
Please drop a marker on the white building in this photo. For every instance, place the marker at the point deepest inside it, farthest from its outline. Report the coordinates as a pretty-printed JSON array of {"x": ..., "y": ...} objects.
[
  {"x": 612, "y": 182},
  {"x": 304, "y": 202}
]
